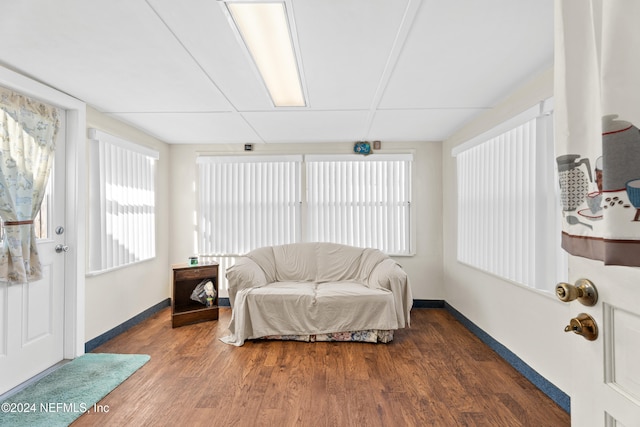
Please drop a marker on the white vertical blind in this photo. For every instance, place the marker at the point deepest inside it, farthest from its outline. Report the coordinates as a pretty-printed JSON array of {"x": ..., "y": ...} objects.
[
  {"x": 247, "y": 202},
  {"x": 507, "y": 196},
  {"x": 122, "y": 202},
  {"x": 496, "y": 211},
  {"x": 360, "y": 201}
]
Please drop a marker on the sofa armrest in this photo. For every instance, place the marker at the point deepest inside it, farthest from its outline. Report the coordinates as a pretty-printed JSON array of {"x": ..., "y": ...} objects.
[
  {"x": 390, "y": 275},
  {"x": 245, "y": 273}
]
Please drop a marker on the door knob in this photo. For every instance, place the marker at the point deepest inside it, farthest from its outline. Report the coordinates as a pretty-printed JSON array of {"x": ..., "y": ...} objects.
[
  {"x": 584, "y": 291},
  {"x": 584, "y": 325},
  {"x": 62, "y": 248}
]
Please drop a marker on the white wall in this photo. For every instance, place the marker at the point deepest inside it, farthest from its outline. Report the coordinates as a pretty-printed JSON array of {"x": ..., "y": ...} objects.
[
  {"x": 424, "y": 269},
  {"x": 113, "y": 298},
  {"x": 530, "y": 323}
]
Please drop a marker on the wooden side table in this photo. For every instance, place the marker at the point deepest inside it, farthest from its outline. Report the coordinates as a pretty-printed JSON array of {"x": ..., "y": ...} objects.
[{"x": 184, "y": 310}]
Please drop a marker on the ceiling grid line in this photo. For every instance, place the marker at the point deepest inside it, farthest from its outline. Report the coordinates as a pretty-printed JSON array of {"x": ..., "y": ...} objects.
[
  {"x": 404, "y": 29},
  {"x": 192, "y": 56},
  {"x": 188, "y": 52}
]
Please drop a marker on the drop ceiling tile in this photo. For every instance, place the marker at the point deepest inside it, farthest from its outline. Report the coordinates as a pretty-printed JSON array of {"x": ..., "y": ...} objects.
[
  {"x": 418, "y": 125},
  {"x": 193, "y": 128},
  {"x": 345, "y": 46},
  {"x": 465, "y": 54},
  {"x": 309, "y": 126},
  {"x": 116, "y": 55},
  {"x": 205, "y": 32}
]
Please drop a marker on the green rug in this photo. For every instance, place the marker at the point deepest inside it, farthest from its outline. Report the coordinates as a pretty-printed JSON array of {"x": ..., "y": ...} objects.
[{"x": 70, "y": 391}]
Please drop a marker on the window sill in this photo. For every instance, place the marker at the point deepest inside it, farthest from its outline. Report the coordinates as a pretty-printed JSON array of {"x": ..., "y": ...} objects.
[{"x": 120, "y": 267}]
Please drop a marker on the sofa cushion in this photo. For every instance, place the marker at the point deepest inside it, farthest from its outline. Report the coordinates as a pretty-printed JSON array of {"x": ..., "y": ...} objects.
[
  {"x": 337, "y": 262},
  {"x": 265, "y": 259},
  {"x": 369, "y": 260},
  {"x": 316, "y": 262},
  {"x": 299, "y": 308},
  {"x": 295, "y": 262}
]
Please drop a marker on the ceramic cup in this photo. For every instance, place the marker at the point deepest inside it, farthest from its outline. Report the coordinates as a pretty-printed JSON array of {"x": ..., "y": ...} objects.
[{"x": 594, "y": 201}]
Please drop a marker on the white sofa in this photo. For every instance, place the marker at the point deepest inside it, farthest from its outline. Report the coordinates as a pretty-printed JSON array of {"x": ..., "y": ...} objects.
[{"x": 317, "y": 291}]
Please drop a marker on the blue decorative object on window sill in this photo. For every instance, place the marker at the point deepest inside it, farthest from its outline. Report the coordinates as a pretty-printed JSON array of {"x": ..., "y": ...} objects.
[{"x": 362, "y": 147}]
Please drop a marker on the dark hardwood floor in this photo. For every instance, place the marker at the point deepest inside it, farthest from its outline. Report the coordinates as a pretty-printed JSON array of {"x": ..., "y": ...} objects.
[{"x": 436, "y": 373}]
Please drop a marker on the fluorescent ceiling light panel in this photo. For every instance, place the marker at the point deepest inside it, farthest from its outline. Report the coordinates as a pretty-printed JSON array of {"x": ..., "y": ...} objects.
[{"x": 264, "y": 27}]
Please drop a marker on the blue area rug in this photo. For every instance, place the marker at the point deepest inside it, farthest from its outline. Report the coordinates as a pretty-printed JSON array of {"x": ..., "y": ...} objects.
[{"x": 70, "y": 391}]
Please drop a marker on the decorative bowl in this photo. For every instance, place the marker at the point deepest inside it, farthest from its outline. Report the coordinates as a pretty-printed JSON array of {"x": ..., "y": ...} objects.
[{"x": 633, "y": 191}]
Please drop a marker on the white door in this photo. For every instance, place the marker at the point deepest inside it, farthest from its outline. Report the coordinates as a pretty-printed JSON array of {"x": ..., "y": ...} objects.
[
  {"x": 32, "y": 314},
  {"x": 606, "y": 372}
]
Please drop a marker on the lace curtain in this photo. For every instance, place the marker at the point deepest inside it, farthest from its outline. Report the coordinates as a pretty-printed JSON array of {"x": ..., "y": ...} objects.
[
  {"x": 598, "y": 141},
  {"x": 28, "y": 129}
]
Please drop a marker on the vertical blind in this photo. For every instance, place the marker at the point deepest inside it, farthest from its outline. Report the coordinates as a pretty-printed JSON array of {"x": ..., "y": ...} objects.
[
  {"x": 496, "y": 212},
  {"x": 122, "y": 202},
  {"x": 508, "y": 200},
  {"x": 246, "y": 202},
  {"x": 360, "y": 201}
]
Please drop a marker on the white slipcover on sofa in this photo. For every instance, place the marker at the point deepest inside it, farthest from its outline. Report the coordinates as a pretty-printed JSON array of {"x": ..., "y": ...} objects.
[{"x": 304, "y": 289}]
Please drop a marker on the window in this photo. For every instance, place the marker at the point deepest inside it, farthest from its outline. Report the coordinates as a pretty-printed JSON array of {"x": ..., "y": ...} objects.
[
  {"x": 121, "y": 202},
  {"x": 246, "y": 202},
  {"x": 360, "y": 201},
  {"x": 507, "y": 222}
]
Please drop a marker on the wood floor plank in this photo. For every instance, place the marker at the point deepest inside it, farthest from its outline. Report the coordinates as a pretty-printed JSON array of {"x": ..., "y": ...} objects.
[{"x": 434, "y": 374}]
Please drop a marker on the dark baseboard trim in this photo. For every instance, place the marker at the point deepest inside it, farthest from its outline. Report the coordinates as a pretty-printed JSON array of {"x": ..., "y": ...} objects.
[
  {"x": 101, "y": 339},
  {"x": 558, "y": 396},
  {"x": 428, "y": 303}
]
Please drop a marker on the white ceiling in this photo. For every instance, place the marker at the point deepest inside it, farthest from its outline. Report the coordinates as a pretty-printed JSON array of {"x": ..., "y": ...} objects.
[{"x": 401, "y": 70}]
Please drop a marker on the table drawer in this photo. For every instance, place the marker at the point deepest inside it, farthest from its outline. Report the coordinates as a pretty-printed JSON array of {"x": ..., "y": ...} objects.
[{"x": 196, "y": 273}]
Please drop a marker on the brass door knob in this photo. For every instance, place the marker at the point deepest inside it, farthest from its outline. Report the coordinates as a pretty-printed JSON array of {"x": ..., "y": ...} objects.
[
  {"x": 584, "y": 325},
  {"x": 584, "y": 291}
]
